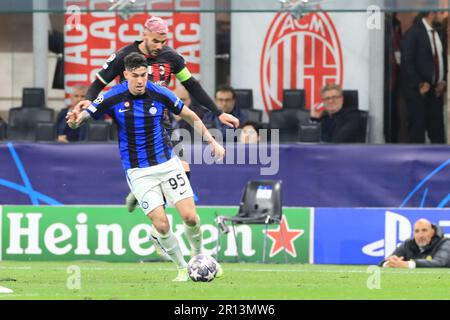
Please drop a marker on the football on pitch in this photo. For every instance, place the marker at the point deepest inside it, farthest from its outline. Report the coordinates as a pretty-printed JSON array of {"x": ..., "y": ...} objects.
[{"x": 202, "y": 268}]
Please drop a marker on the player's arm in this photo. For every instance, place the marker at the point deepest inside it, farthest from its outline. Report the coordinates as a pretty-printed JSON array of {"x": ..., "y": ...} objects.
[
  {"x": 110, "y": 70},
  {"x": 76, "y": 118},
  {"x": 196, "y": 90},
  {"x": 191, "y": 117}
]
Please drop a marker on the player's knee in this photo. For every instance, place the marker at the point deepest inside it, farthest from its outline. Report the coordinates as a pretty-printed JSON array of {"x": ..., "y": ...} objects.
[
  {"x": 191, "y": 219},
  {"x": 162, "y": 226}
]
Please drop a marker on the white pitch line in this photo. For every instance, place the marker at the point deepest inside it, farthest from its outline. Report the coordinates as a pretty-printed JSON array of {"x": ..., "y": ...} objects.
[{"x": 234, "y": 269}]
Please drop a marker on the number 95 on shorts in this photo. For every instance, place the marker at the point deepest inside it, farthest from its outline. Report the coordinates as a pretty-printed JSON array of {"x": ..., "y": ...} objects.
[{"x": 150, "y": 184}]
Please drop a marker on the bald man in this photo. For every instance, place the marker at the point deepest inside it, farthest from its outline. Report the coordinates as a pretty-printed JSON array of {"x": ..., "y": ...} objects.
[{"x": 428, "y": 249}]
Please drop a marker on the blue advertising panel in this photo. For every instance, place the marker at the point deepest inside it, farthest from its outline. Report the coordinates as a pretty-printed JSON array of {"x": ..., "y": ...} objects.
[
  {"x": 312, "y": 175},
  {"x": 367, "y": 236}
]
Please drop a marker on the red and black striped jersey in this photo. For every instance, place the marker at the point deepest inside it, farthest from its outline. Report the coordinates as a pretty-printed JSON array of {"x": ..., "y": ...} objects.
[{"x": 160, "y": 68}]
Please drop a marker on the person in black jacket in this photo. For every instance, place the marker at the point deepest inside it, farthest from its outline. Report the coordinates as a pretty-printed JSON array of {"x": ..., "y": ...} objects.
[
  {"x": 428, "y": 249},
  {"x": 339, "y": 125},
  {"x": 422, "y": 77}
]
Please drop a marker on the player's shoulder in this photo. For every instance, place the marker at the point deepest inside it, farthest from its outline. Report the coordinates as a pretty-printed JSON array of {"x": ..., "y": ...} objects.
[
  {"x": 170, "y": 54},
  {"x": 129, "y": 48},
  {"x": 154, "y": 87},
  {"x": 113, "y": 93}
]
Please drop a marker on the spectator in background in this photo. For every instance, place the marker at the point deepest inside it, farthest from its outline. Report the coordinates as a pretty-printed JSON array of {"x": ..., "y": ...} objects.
[
  {"x": 225, "y": 99},
  {"x": 422, "y": 74},
  {"x": 339, "y": 125},
  {"x": 66, "y": 134},
  {"x": 249, "y": 133},
  {"x": 428, "y": 249}
]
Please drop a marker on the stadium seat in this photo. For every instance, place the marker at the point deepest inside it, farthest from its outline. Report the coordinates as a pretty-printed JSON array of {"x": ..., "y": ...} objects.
[
  {"x": 33, "y": 98},
  {"x": 97, "y": 131},
  {"x": 261, "y": 203},
  {"x": 244, "y": 98},
  {"x": 252, "y": 114},
  {"x": 310, "y": 132},
  {"x": 2, "y": 130},
  {"x": 364, "y": 127},
  {"x": 294, "y": 99},
  {"x": 113, "y": 132},
  {"x": 288, "y": 122},
  {"x": 45, "y": 131},
  {"x": 350, "y": 99},
  {"x": 22, "y": 122}
]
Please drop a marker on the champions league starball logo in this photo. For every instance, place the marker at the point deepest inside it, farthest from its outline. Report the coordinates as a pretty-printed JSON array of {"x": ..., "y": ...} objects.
[{"x": 299, "y": 53}]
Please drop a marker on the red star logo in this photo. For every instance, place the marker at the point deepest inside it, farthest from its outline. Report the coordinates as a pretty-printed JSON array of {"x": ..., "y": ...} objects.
[{"x": 289, "y": 237}]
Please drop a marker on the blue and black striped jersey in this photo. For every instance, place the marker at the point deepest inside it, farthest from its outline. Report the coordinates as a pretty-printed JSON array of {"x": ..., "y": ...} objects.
[{"x": 143, "y": 140}]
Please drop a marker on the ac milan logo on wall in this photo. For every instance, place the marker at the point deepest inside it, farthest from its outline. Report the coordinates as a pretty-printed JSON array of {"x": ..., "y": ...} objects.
[{"x": 299, "y": 53}]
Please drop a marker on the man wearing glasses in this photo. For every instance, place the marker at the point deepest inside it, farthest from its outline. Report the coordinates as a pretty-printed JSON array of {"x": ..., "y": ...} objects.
[
  {"x": 225, "y": 98},
  {"x": 339, "y": 125}
]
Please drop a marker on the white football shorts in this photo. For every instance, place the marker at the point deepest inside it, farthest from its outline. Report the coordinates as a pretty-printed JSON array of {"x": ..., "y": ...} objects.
[{"x": 149, "y": 184}]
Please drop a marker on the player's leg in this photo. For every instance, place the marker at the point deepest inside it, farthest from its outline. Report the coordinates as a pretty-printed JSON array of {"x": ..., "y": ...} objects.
[
  {"x": 191, "y": 221},
  {"x": 168, "y": 241},
  {"x": 177, "y": 189},
  {"x": 145, "y": 185}
]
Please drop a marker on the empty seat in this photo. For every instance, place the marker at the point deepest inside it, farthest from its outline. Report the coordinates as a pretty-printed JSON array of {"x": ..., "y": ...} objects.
[
  {"x": 45, "y": 131},
  {"x": 252, "y": 114},
  {"x": 33, "y": 98},
  {"x": 244, "y": 98},
  {"x": 288, "y": 122},
  {"x": 2, "y": 129},
  {"x": 310, "y": 132},
  {"x": 22, "y": 122},
  {"x": 294, "y": 99},
  {"x": 350, "y": 99},
  {"x": 113, "y": 132},
  {"x": 97, "y": 131}
]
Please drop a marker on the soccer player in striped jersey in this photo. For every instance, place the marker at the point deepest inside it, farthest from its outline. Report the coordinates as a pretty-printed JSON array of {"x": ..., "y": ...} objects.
[
  {"x": 162, "y": 62},
  {"x": 152, "y": 169}
]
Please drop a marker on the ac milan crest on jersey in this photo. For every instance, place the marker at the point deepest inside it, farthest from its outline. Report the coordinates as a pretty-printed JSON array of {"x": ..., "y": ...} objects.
[{"x": 299, "y": 53}]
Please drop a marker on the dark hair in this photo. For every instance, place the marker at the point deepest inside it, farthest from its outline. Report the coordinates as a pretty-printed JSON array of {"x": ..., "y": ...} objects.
[
  {"x": 135, "y": 60},
  {"x": 226, "y": 88},
  {"x": 420, "y": 16},
  {"x": 254, "y": 124}
]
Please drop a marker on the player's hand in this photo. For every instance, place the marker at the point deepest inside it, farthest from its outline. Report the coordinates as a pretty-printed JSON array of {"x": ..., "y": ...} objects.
[
  {"x": 74, "y": 119},
  {"x": 229, "y": 120},
  {"x": 83, "y": 104},
  {"x": 218, "y": 151}
]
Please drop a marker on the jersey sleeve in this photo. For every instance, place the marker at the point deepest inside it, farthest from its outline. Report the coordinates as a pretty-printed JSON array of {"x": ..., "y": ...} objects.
[
  {"x": 178, "y": 64},
  {"x": 103, "y": 104},
  {"x": 112, "y": 68},
  {"x": 171, "y": 101}
]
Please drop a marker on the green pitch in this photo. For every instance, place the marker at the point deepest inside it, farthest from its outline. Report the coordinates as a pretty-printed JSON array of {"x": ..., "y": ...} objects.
[{"x": 53, "y": 280}]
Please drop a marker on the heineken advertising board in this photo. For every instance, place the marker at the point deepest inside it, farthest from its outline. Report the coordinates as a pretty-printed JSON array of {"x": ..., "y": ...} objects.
[{"x": 110, "y": 233}]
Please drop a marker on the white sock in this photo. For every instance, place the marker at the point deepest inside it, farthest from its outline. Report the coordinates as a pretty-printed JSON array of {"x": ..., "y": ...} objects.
[
  {"x": 194, "y": 235},
  {"x": 170, "y": 244}
]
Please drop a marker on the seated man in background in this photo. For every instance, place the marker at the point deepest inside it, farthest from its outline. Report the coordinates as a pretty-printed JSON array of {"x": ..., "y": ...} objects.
[
  {"x": 249, "y": 133},
  {"x": 225, "y": 99},
  {"x": 65, "y": 133},
  {"x": 428, "y": 249},
  {"x": 339, "y": 125}
]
